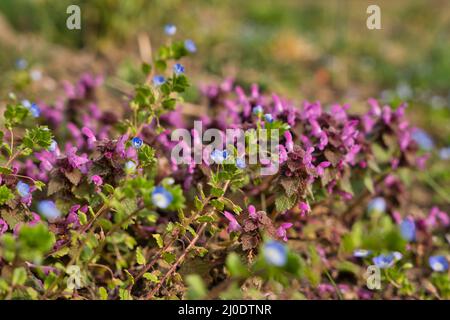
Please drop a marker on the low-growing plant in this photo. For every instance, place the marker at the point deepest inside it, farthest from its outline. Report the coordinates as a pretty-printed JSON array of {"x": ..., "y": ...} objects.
[{"x": 92, "y": 205}]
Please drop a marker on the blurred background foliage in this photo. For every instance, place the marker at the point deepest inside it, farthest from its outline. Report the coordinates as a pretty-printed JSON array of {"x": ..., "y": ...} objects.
[{"x": 313, "y": 49}]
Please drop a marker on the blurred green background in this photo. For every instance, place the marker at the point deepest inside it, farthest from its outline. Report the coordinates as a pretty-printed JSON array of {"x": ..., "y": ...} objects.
[{"x": 313, "y": 49}]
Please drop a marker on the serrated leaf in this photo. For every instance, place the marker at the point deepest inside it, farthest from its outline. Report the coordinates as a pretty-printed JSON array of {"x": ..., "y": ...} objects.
[
  {"x": 140, "y": 259},
  {"x": 159, "y": 240}
]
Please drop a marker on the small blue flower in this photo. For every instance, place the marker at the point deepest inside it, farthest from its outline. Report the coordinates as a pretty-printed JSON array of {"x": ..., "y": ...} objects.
[
  {"x": 444, "y": 153},
  {"x": 53, "y": 146},
  {"x": 438, "y": 263},
  {"x": 275, "y": 253},
  {"x": 377, "y": 204},
  {"x": 178, "y": 68},
  {"x": 170, "y": 29},
  {"x": 384, "y": 261},
  {"x": 158, "y": 80},
  {"x": 240, "y": 163},
  {"x": 23, "y": 189},
  {"x": 48, "y": 209},
  {"x": 361, "y": 253},
  {"x": 423, "y": 139},
  {"x": 190, "y": 46},
  {"x": 137, "y": 142},
  {"x": 219, "y": 156},
  {"x": 130, "y": 167},
  {"x": 32, "y": 107},
  {"x": 21, "y": 64},
  {"x": 26, "y": 103},
  {"x": 35, "y": 110},
  {"x": 268, "y": 117},
  {"x": 408, "y": 230},
  {"x": 258, "y": 110},
  {"x": 161, "y": 197}
]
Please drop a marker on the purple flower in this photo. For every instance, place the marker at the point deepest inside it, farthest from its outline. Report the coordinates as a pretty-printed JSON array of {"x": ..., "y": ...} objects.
[
  {"x": 289, "y": 143},
  {"x": 281, "y": 231},
  {"x": 252, "y": 212},
  {"x": 304, "y": 208},
  {"x": 233, "y": 225},
  {"x": 97, "y": 180},
  {"x": 74, "y": 160},
  {"x": 3, "y": 226},
  {"x": 320, "y": 169}
]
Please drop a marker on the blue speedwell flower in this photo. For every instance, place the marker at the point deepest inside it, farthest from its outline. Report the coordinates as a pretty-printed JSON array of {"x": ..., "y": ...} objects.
[
  {"x": 438, "y": 263},
  {"x": 423, "y": 139},
  {"x": 444, "y": 153},
  {"x": 170, "y": 29},
  {"x": 275, "y": 253},
  {"x": 408, "y": 230},
  {"x": 377, "y": 204},
  {"x": 240, "y": 163},
  {"x": 23, "y": 189},
  {"x": 130, "y": 167},
  {"x": 384, "y": 261},
  {"x": 158, "y": 80},
  {"x": 219, "y": 156},
  {"x": 136, "y": 142},
  {"x": 361, "y": 253},
  {"x": 178, "y": 68},
  {"x": 35, "y": 110},
  {"x": 161, "y": 197},
  {"x": 268, "y": 117},
  {"x": 48, "y": 209},
  {"x": 32, "y": 107},
  {"x": 258, "y": 110},
  {"x": 21, "y": 64},
  {"x": 190, "y": 46},
  {"x": 53, "y": 146}
]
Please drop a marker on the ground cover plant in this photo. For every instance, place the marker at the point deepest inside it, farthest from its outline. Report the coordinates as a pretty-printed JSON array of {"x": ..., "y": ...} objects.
[{"x": 93, "y": 205}]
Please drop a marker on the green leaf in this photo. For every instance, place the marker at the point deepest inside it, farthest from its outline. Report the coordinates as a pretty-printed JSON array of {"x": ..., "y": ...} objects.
[
  {"x": 103, "y": 293},
  {"x": 284, "y": 202},
  {"x": 5, "y": 170},
  {"x": 36, "y": 138},
  {"x": 196, "y": 287},
  {"x": 139, "y": 256},
  {"x": 146, "y": 68},
  {"x": 5, "y": 194},
  {"x": 147, "y": 156},
  {"x": 150, "y": 277},
  {"x": 14, "y": 115},
  {"x": 235, "y": 266},
  {"x": 169, "y": 257},
  {"x": 19, "y": 276},
  {"x": 159, "y": 240}
]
